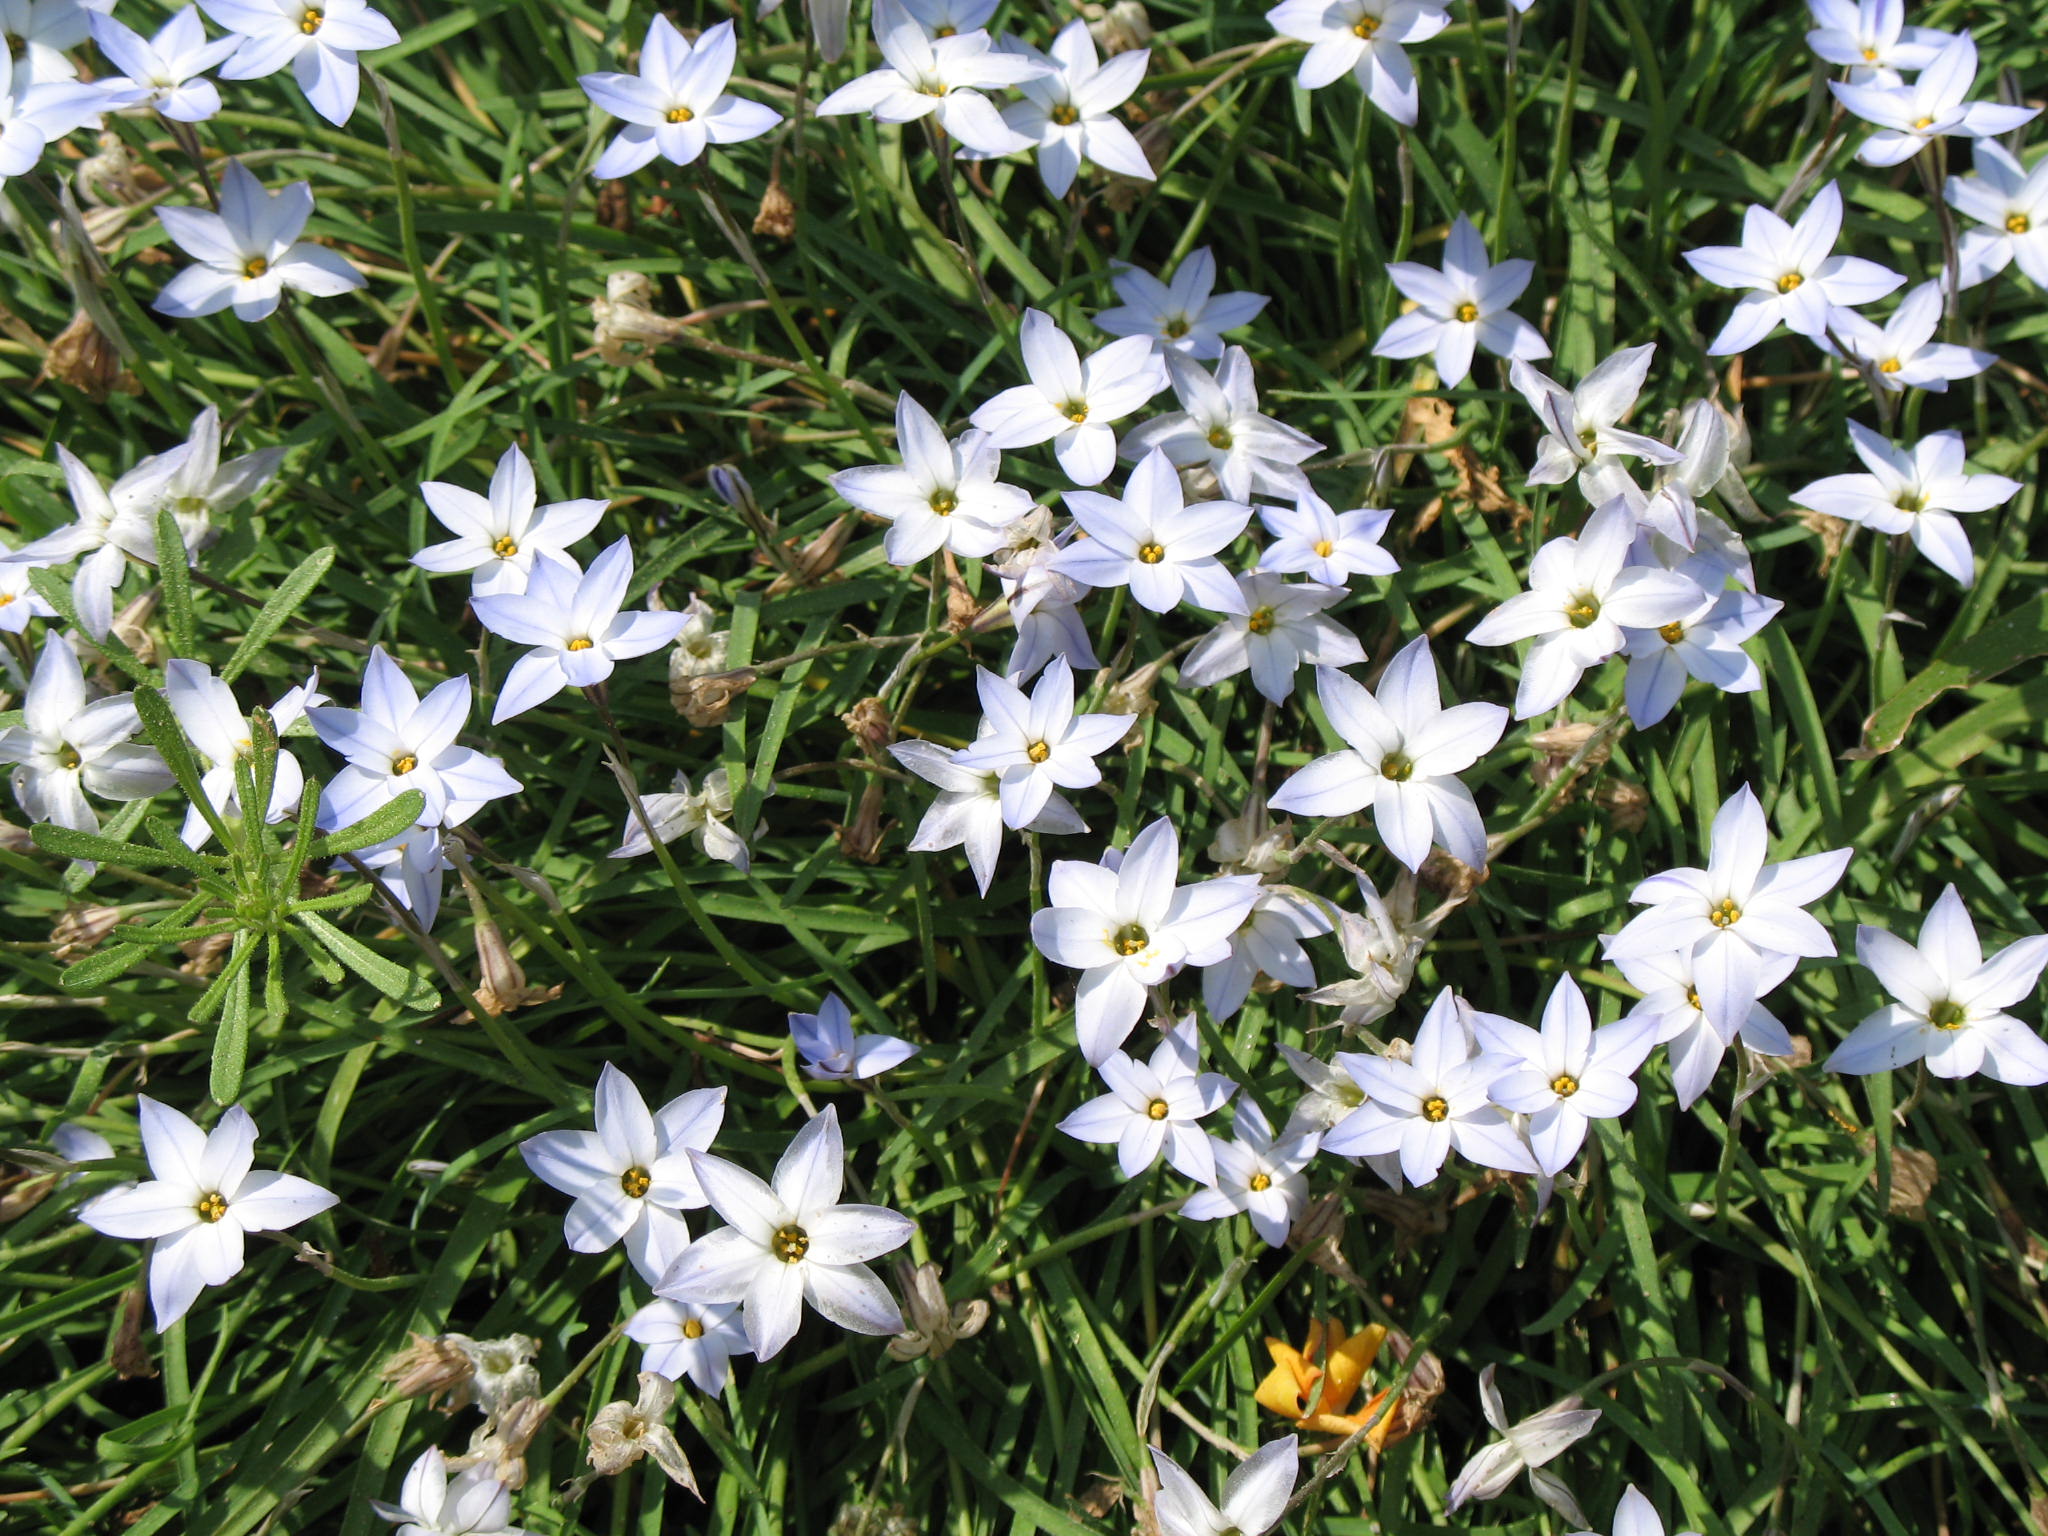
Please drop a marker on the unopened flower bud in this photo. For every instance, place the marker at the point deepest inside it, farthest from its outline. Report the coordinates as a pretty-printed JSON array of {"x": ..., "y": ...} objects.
[{"x": 731, "y": 487}]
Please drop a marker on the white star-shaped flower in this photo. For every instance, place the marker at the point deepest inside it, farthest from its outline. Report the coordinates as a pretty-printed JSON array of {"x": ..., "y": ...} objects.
[
  {"x": 68, "y": 743},
  {"x": 1254, "y": 1496},
  {"x": 1462, "y": 307},
  {"x": 1366, "y": 39},
  {"x": 318, "y": 38},
  {"x": 1069, "y": 402},
  {"x": 942, "y": 77},
  {"x": 968, "y": 812},
  {"x": 1258, "y": 1176},
  {"x": 1220, "y": 425},
  {"x": 1184, "y": 315},
  {"x": 1036, "y": 744},
  {"x": 1910, "y": 117},
  {"x": 677, "y": 104},
  {"x": 498, "y": 537},
  {"x": 248, "y": 254},
  {"x": 1283, "y": 626},
  {"x": 1582, "y": 426},
  {"x": 1913, "y": 491},
  {"x": 1155, "y": 541},
  {"x": 945, "y": 495},
  {"x": 1569, "y": 1074},
  {"x": 832, "y": 1052},
  {"x": 1902, "y": 352},
  {"x": 1068, "y": 112},
  {"x": 2010, "y": 204},
  {"x": 1154, "y": 1106},
  {"x": 1313, "y": 539}
]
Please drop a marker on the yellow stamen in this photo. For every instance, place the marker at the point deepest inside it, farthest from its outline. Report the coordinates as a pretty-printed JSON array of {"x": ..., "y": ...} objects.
[
  {"x": 1396, "y": 767},
  {"x": 580, "y": 643},
  {"x": 255, "y": 266},
  {"x": 1671, "y": 633},
  {"x": 1038, "y": 751},
  {"x": 505, "y": 546},
  {"x": 404, "y": 764},
  {"x": 1564, "y": 1085},
  {"x": 1365, "y": 26},
  {"x": 1130, "y": 939},
  {"x": 943, "y": 503},
  {"x": 1322, "y": 547},
  {"x": 1467, "y": 312},
  {"x": 211, "y": 1207},
  {"x": 1261, "y": 621},
  {"x": 790, "y": 1243},
  {"x": 1259, "y": 1183},
  {"x": 2017, "y": 224},
  {"x": 1790, "y": 281},
  {"x": 1435, "y": 1109},
  {"x": 1158, "y": 1109},
  {"x": 1151, "y": 554},
  {"x": 680, "y": 114},
  {"x": 636, "y": 1181},
  {"x": 1726, "y": 915},
  {"x": 309, "y": 22},
  {"x": 692, "y": 1329},
  {"x": 1948, "y": 1015},
  {"x": 1065, "y": 115}
]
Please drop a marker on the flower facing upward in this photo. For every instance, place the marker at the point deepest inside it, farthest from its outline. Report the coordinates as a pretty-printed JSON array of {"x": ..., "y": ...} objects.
[
  {"x": 245, "y": 256},
  {"x": 1792, "y": 274},
  {"x": 499, "y": 536},
  {"x": 1902, "y": 352},
  {"x": 1950, "y": 1002},
  {"x": 1068, "y": 111},
  {"x": 1313, "y": 539},
  {"x": 1403, "y": 754},
  {"x": 68, "y": 743},
  {"x": 942, "y": 77},
  {"x": 945, "y": 495},
  {"x": 168, "y": 69},
  {"x": 631, "y": 1177},
  {"x": 1365, "y": 38},
  {"x": 1070, "y": 402},
  {"x": 682, "y": 1338},
  {"x": 1282, "y": 626},
  {"x": 1037, "y": 744},
  {"x": 1257, "y": 1175},
  {"x": 200, "y": 1203},
  {"x": 1569, "y": 1074},
  {"x": 968, "y": 812},
  {"x": 2010, "y": 204},
  {"x": 571, "y": 619},
  {"x": 1126, "y": 924},
  {"x": 1909, "y": 117},
  {"x": 1462, "y": 307},
  {"x": 1219, "y": 425},
  {"x": 1871, "y": 38},
  {"x": 791, "y": 1242},
  {"x": 1254, "y": 1496},
  {"x": 1735, "y": 915},
  {"x": 831, "y": 1050},
  {"x": 1706, "y": 644},
  {"x": 1155, "y": 542},
  {"x": 1914, "y": 491},
  {"x": 1154, "y": 1106},
  {"x": 318, "y": 38},
  {"x": 677, "y": 104},
  {"x": 1184, "y": 315}
]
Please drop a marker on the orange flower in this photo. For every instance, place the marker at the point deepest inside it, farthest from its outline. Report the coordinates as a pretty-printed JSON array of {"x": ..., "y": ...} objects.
[{"x": 1314, "y": 1385}]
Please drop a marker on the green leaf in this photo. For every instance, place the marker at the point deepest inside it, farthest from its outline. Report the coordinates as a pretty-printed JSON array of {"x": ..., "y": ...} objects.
[
  {"x": 231, "y": 1040},
  {"x": 381, "y": 824},
  {"x": 394, "y": 981},
  {"x": 282, "y": 605},
  {"x": 96, "y": 970},
  {"x": 2004, "y": 642},
  {"x": 174, "y": 578},
  {"x": 68, "y": 843}
]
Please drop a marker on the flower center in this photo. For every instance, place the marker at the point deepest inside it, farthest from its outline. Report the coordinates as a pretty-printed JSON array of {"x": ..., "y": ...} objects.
[
  {"x": 1870, "y": 55},
  {"x": 1692, "y": 999},
  {"x": 1948, "y": 1015},
  {"x": 636, "y": 1181},
  {"x": 943, "y": 502},
  {"x": 1178, "y": 326},
  {"x": 1467, "y": 312},
  {"x": 946, "y": 32},
  {"x": 1038, "y": 751},
  {"x": 1889, "y": 365},
  {"x": 67, "y": 756},
  {"x": 255, "y": 266},
  {"x": 1671, "y": 633},
  {"x": 1436, "y": 1108},
  {"x": 1923, "y": 123},
  {"x": 310, "y": 20},
  {"x": 680, "y": 114},
  {"x": 580, "y": 643},
  {"x": 1065, "y": 115},
  {"x": 1726, "y": 914},
  {"x": 404, "y": 764},
  {"x": 2018, "y": 224},
  {"x": 1130, "y": 939},
  {"x": 1790, "y": 281},
  {"x": 1584, "y": 609},
  {"x": 1909, "y": 502},
  {"x": 1261, "y": 621},
  {"x": 692, "y": 1329},
  {"x": 211, "y": 1207},
  {"x": 1158, "y": 1109},
  {"x": 1396, "y": 767},
  {"x": 1151, "y": 554},
  {"x": 1365, "y": 26},
  {"x": 1220, "y": 438},
  {"x": 790, "y": 1243},
  {"x": 1259, "y": 1183},
  {"x": 1564, "y": 1085},
  {"x": 1075, "y": 411},
  {"x": 6, "y": 598},
  {"x": 1322, "y": 547},
  {"x": 505, "y": 546}
]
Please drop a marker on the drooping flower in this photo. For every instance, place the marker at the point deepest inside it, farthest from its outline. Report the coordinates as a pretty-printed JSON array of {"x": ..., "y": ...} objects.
[
  {"x": 677, "y": 104},
  {"x": 1068, "y": 112},
  {"x": 1524, "y": 1447},
  {"x": 945, "y": 495},
  {"x": 1462, "y": 307},
  {"x": 1313, "y": 539},
  {"x": 1256, "y": 1175},
  {"x": 199, "y": 1203},
  {"x": 1254, "y": 1495},
  {"x": 1071, "y": 402},
  {"x": 1219, "y": 426},
  {"x": 700, "y": 814},
  {"x": 632, "y": 1176},
  {"x": 831, "y": 1050},
  {"x": 1437, "y": 1101},
  {"x": 168, "y": 70},
  {"x": 1155, "y": 1106},
  {"x": 1155, "y": 541},
  {"x": 1365, "y": 38},
  {"x": 1569, "y": 1074},
  {"x": 571, "y": 618},
  {"x": 398, "y": 741},
  {"x": 193, "y": 483},
  {"x": 431, "y": 1503},
  {"x": 1403, "y": 753},
  {"x": 1793, "y": 275},
  {"x": 791, "y": 1242},
  {"x": 68, "y": 743},
  {"x": 1583, "y": 593},
  {"x": 1038, "y": 743},
  {"x": 499, "y": 536},
  {"x": 111, "y": 528},
  {"x": 318, "y": 38},
  {"x": 1127, "y": 924},
  {"x": 1950, "y": 1002},
  {"x": 1582, "y": 426},
  {"x": 1735, "y": 915},
  {"x": 1909, "y": 117},
  {"x": 1913, "y": 491},
  {"x": 943, "y": 77},
  {"x": 245, "y": 256},
  {"x": 2010, "y": 204},
  {"x": 621, "y": 1433},
  {"x": 1184, "y": 315}
]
